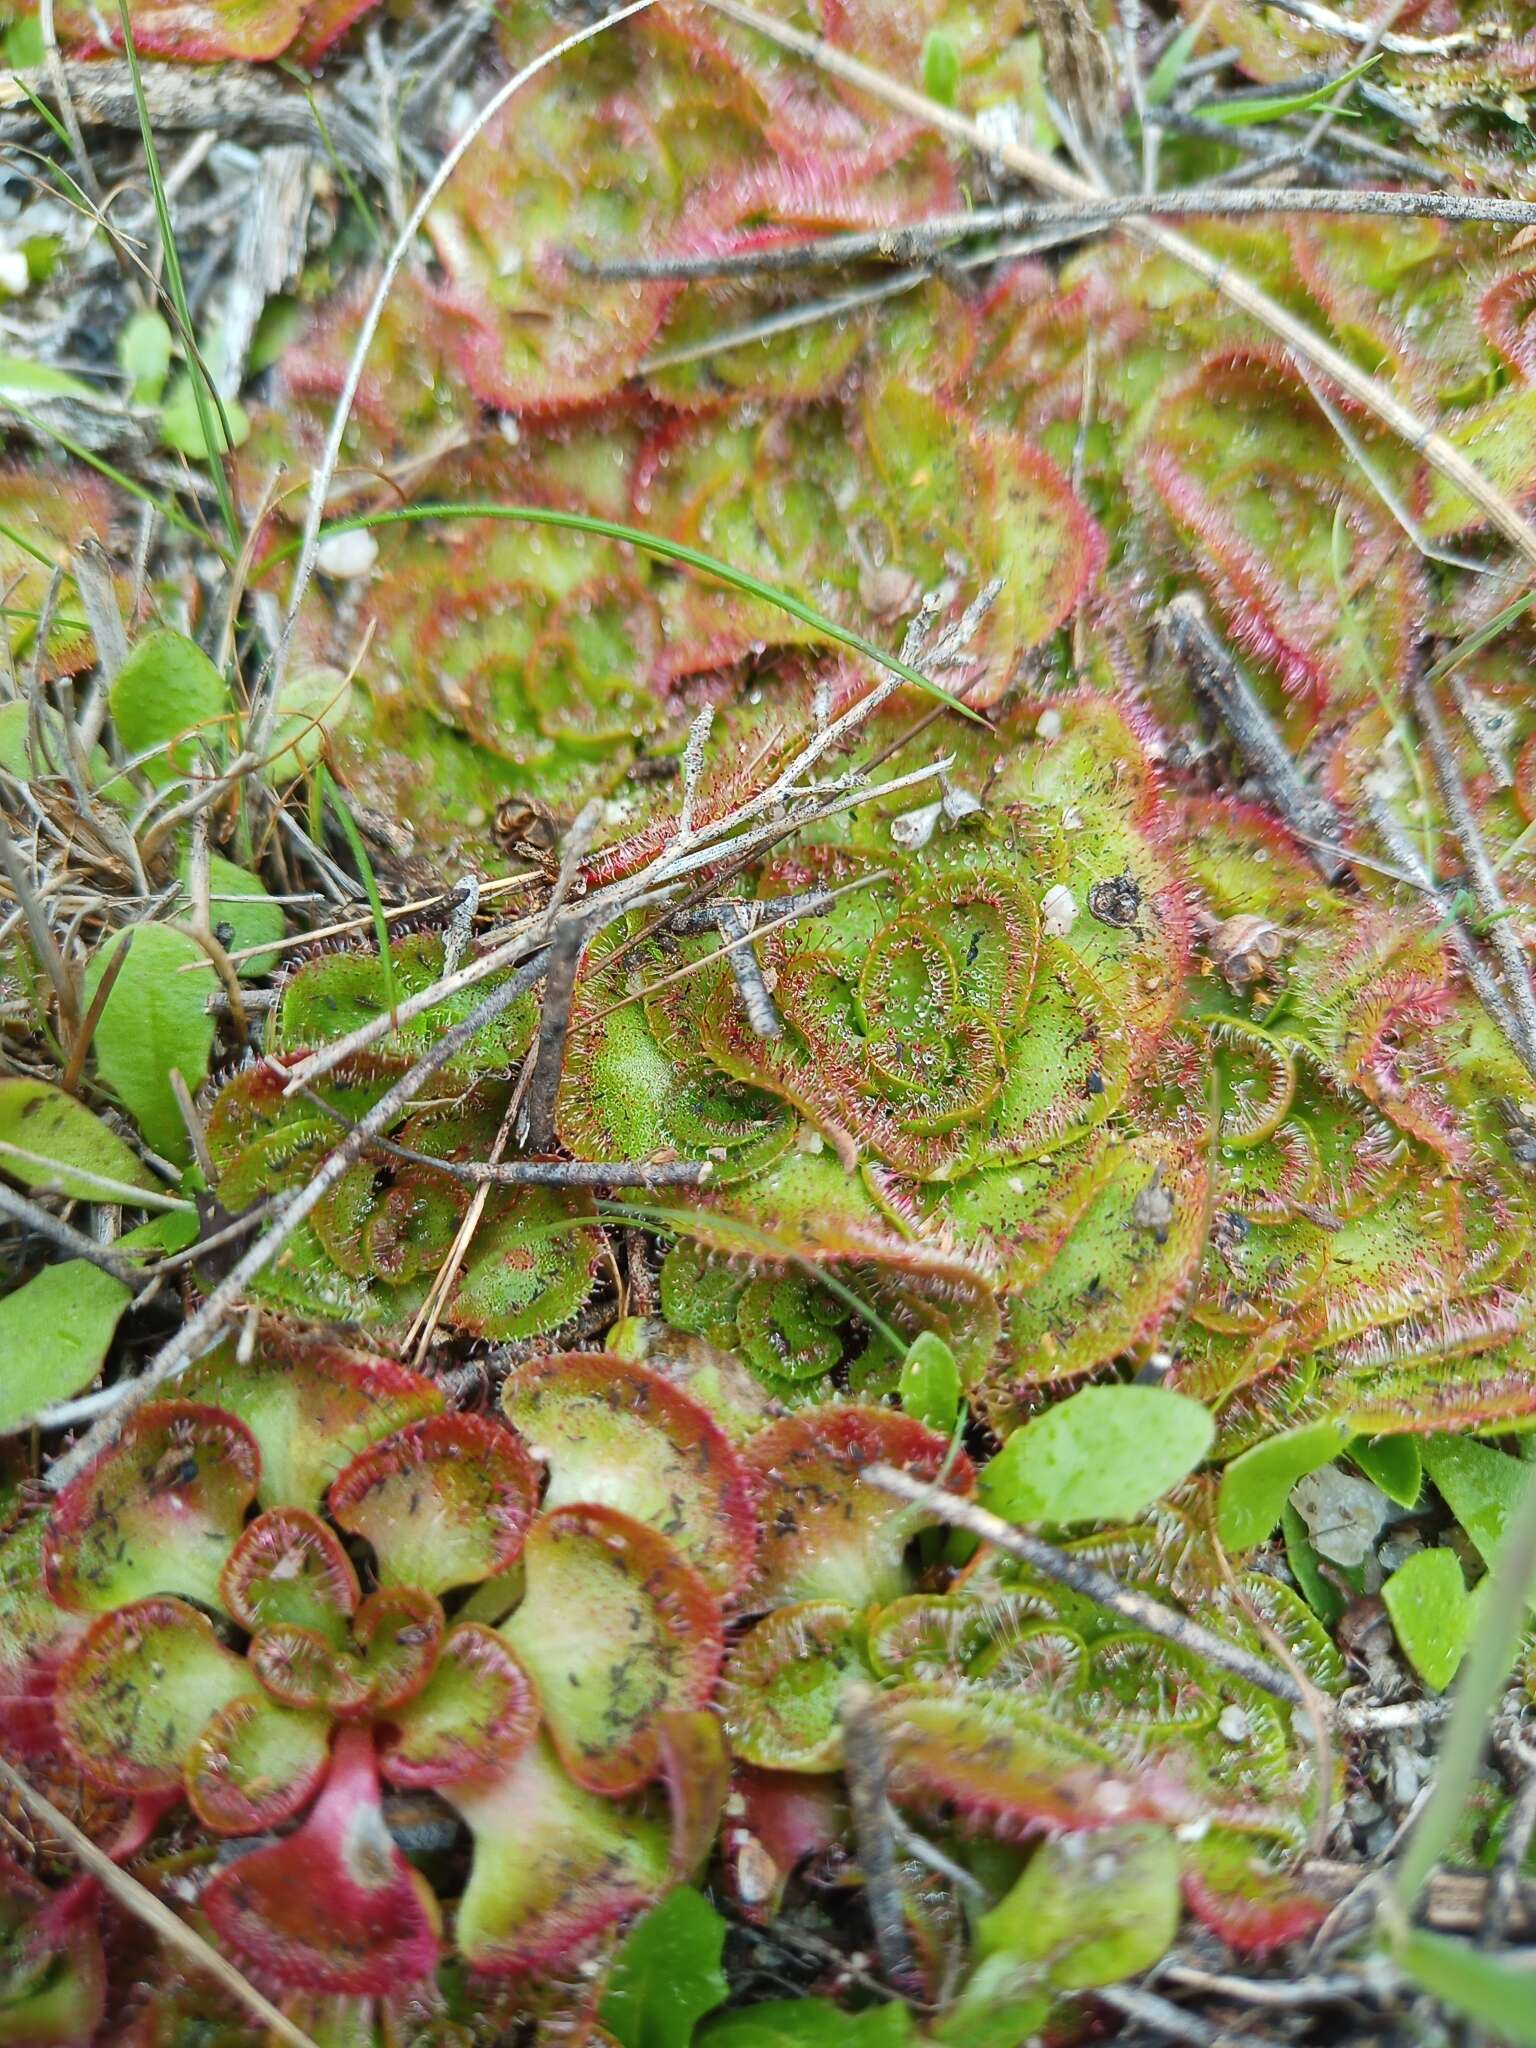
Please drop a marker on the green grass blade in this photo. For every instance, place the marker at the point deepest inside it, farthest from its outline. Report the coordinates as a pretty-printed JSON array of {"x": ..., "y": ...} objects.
[
  {"x": 664, "y": 550},
  {"x": 1476, "y": 642},
  {"x": 329, "y": 789},
  {"x": 1248, "y": 113},
  {"x": 354, "y": 191},
  {"x": 209, "y": 404}
]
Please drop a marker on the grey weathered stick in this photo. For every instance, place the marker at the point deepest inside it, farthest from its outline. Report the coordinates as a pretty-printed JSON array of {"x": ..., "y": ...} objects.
[
  {"x": 914, "y": 240},
  {"x": 224, "y": 101},
  {"x": 867, "y": 1777},
  {"x": 1481, "y": 873},
  {"x": 65, "y": 1236},
  {"x": 146, "y": 1906},
  {"x": 1490, "y": 989},
  {"x": 1066, "y": 1570},
  {"x": 98, "y": 599},
  {"x": 751, "y": 983},
  {"x": 536, "y": 1121},
  {"x": 1222, "y": 684},
  {"x": 40, "y": 932},
  {"x": 1160, "y": 2016}
]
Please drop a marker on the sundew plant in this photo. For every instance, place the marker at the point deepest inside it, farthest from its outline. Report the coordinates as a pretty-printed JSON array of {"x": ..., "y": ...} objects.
[{"x": 767, "y": 1043}]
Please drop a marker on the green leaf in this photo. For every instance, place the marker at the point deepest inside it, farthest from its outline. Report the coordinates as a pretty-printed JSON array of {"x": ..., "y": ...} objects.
[
  {"x": 1100, "y": 1456},
  {"x": 667, "y": 1975},
  {"x": 20, "y": 378},
  {"x": 807, "y": 2023},
  {"x": 1322, "y": 1596},
  {"x": 1428, "y": 1602},
  {"x": 1001, "y": 2005},
  {"x": 1479, "y": 1485},
  {"x": 1255, "y": 1487},
  {"x": 181, "y": 424},
  {"x": 169, "y": 698},
  {"x": 55, "y": 1141},
  {"x": 54, "y": 1335},
  {"x": 144, "y": 351},
  {"x": 930, "y": 1383},
  {"x": 309, "y": 705},
  {"x": 255, "y": 920},
  {"x": 1395, "y": 1464},
  {"x": 1497, "y": 1992},
  {"x": 153, "y": 1020},
  {"x": 941, "y": 67},
  {"x": 1090, "y": 1909}
]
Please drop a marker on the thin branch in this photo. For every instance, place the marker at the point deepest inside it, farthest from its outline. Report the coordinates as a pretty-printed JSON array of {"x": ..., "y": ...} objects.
[
  {"x": 1478, "y": 36},
  {"x": 536, "y": 1119},
  {"x": 914, "y": 240},
  {"x": 1139, "y": 1609},
  {"x": 1222, "y": 684},
  {"x": 1489, "y": 988},
  {"x": 143, "y": 1904},
  {"x": 867, "y": 1775},
  {"x": 1160, "y": 2016},
  {"x": 1269, "y": 1993},
  {"x": 1481, "y": 873},
  {"x": 69, "y": 1240},
  {"x": 751, "y": 983},
  {"x": 49, "y": 958}
]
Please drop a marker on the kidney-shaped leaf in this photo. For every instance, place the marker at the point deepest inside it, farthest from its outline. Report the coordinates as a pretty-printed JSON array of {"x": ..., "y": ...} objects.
[
  {"x": 311, "y": 1405},
  {"x": 615, "y": 1434},
  {"x": 256, "y": 1765},
  {"x": 443, "y": 1503},
  {"x": 827, "y": 1533},
  {"x": 334, "y": 1907},
  {"x": 555, "y": 1867},
  {"x": 478, "y": 1709},
  {"x": 138, "y": 1690},
  {"x": 616, "y": 1630},
  {"x": 157, "y": 1511}
]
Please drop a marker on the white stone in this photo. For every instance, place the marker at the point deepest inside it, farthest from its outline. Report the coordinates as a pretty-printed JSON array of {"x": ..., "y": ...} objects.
[
  {"x": 347, "y": 554},
  {"x": 1058, "y": 911},
  {"x": 14, "y": 274}
]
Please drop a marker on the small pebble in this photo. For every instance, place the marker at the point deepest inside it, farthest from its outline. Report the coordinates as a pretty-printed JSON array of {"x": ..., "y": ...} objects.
[
  {"x": 1058, "y": 911},
  {"x": 14, "y": 273},
  {"x": 347, "y": 554}
]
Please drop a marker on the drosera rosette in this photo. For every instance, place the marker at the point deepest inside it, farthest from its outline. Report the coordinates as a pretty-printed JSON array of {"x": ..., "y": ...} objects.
[
  {"x": 1011, "y": 1712},
  {"x": 953, "y": 1118},
  {"x": 305, "y": 1581},
  {"x": 374, "y": 1246}
]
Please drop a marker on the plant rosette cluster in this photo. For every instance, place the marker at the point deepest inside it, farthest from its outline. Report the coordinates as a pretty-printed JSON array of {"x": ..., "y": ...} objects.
[
  {"x": 1010, "y": 1713},
  {"x": 302, "y": 1581}
]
